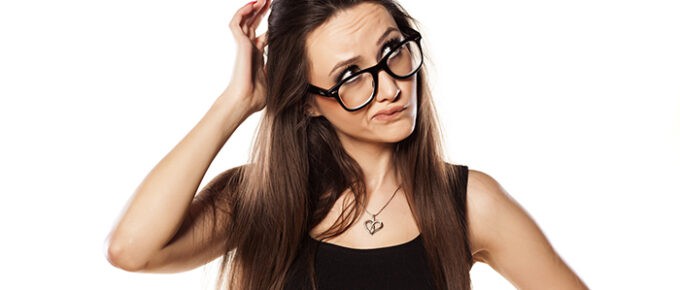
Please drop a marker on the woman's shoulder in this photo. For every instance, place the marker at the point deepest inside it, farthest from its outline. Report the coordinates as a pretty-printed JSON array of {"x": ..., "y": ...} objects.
[
  {"x": 479, "y": 185},
  {"x": 485, "y": 194},
  {"x": 490, "y": 207},
  {"x": 506, "y": 237}
]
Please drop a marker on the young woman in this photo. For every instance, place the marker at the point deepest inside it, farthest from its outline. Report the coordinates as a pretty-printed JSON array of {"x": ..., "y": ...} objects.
[{"x": 347, "y": 187}]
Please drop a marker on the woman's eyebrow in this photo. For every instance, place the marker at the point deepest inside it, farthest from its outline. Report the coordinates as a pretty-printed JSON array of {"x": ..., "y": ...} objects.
[
  {"x": 355, "y": 58},
  {"x": 343, "y": 63},
  {"x": 385, "y": 34}
]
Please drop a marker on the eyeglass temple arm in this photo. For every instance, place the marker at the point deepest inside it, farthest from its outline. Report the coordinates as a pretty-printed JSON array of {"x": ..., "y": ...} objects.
[{"x": 316, "y": 90}]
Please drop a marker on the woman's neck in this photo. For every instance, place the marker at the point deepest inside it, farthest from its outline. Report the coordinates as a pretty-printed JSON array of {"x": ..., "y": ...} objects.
[{"x": 377, "y": 162}]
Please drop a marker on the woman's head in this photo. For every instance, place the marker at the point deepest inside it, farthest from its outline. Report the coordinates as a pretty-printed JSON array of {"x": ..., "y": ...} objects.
[
  {"x": 322, "y": 42},
  {"x": 350, "y": 41}
]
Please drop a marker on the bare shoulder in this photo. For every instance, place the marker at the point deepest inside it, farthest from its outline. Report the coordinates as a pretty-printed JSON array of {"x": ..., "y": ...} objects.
[
  {"x": 505, "y": 236},
  {"x": 485, "y": 198}
]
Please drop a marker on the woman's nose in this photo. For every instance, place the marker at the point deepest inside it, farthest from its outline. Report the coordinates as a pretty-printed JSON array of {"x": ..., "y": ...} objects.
[{"x": 387, "y": 87}]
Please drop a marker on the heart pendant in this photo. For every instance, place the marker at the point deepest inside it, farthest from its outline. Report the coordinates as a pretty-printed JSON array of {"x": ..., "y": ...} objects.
[{"x": 373, "y": 226}]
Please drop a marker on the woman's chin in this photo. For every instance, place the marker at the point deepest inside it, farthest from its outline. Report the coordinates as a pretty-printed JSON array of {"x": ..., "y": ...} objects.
[
  {"x": 389, "y": 133},
  {"x": 395, "y": 134}
]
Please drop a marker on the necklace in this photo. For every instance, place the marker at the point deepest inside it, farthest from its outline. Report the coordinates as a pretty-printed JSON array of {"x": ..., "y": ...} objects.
[{"x": 373, "y": 225}]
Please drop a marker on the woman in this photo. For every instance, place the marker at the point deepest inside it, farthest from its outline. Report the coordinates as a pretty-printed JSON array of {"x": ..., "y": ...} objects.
[{"x": 347, "y": 188}]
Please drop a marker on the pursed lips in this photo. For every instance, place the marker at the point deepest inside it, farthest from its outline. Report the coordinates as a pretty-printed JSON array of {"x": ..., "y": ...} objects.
[{"x": 389, "y": 111}]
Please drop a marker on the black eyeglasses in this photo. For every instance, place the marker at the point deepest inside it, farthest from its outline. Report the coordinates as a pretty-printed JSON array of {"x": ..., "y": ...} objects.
[{"x": 358, "y": 90}]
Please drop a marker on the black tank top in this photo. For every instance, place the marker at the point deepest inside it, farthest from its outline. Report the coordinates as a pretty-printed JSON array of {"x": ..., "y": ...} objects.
[{"x": 402, "y": 266}]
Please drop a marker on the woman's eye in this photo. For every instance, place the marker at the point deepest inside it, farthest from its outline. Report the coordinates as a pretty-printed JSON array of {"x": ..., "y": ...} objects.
[
  {"x": 387, "y": 50},
  {"x": 348, "y": 72},
  {"x": 390, "y": 46},
  {"x": 395, "y": 52}
]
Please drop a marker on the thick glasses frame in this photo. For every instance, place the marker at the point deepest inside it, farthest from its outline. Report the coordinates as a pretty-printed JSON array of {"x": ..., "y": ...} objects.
[{"x": 333, "y": 92}]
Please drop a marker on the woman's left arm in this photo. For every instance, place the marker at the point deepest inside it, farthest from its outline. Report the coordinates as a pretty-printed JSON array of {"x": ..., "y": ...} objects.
[{"x": 504, "y": 236}]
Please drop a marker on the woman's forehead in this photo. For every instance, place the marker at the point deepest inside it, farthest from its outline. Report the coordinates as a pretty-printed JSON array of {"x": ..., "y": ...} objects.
[{"x": 347, "y": 34}]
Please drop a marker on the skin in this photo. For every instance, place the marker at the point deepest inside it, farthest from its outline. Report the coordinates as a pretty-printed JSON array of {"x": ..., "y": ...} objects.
[{"x": 155, "y": 235}]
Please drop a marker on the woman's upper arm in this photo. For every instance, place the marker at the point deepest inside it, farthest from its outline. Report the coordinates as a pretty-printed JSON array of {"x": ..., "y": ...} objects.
[
  {"x": 202, "y": 236},
  {"x": 504, "y": 236}
]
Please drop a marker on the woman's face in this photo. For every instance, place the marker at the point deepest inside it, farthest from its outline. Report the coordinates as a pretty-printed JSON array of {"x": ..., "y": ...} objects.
[{"x": 361, "y": 34}]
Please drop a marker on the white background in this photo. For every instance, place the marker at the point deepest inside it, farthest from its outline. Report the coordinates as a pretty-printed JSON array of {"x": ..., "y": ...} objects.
[{"x": 573, "y": 106}]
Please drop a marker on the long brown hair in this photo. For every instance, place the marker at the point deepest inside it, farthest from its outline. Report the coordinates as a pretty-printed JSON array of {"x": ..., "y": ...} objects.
[{"x": 298, "y": 169}]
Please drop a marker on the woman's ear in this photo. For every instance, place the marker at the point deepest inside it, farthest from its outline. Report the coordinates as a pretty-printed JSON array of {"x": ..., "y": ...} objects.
[{"x": 311, "y": 109}]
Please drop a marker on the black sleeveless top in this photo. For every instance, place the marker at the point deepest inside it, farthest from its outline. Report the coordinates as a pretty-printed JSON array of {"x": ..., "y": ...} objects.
[{"x": 402, "y": 266}]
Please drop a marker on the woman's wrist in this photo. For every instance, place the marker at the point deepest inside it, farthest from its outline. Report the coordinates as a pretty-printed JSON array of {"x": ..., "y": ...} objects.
[
  {"x": 242, "y": 100},
  {"x": 230, "y": 112}
]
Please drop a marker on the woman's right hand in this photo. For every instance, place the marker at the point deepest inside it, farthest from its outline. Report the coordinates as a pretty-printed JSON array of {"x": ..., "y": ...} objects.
[{"x": 248, "y": 82}]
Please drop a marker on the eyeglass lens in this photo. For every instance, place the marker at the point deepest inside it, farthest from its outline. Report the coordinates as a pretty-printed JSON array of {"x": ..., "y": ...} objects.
[{"x": 402, "y": 61}]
